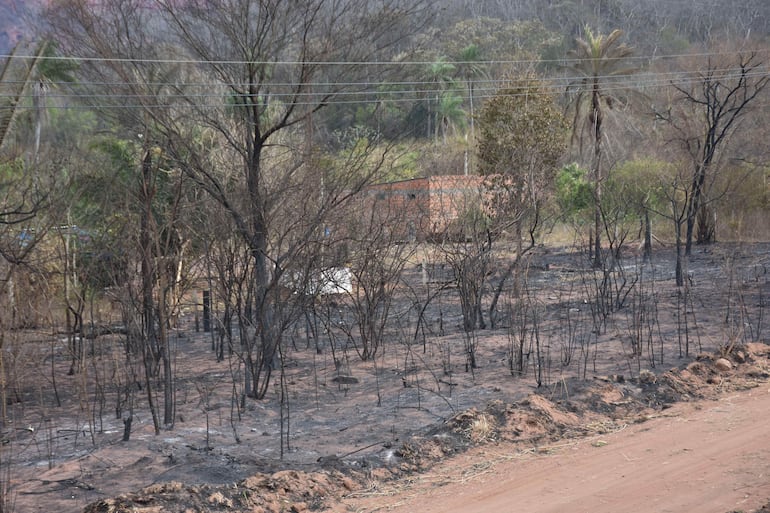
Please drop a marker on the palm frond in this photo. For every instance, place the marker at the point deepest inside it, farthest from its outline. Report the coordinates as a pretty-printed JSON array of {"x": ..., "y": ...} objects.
[{"x": 607, "y": 42}]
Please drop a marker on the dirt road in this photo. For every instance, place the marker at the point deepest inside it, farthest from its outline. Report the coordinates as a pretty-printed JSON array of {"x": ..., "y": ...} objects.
[{"x": 710, "y": 456}]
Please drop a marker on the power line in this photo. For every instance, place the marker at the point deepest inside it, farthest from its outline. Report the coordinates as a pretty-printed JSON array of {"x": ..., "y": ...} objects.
[
  {"x": 483, "y": 89},
  {"x": 346, "y": 92},
  {"x": 386, "y": 87},
  {"x": 715, "y": 73},
  {"x": 140, "y": 60}
]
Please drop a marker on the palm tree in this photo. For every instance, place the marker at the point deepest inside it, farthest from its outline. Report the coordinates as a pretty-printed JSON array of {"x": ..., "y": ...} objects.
[
  {"x": 30, "y": 76},
  {"x": 449, "y": 113},
  {"x": 597, "y": 59},
  {"x": 439, "y": 80},
  {"x": 470, "y": 69},
  {"x": 16, "y": 76}
]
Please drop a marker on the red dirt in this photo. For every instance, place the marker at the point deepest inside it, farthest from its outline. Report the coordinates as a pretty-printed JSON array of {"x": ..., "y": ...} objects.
[
  {"x": 537, "y": 455},
  {"x": 711, "y": 456}
]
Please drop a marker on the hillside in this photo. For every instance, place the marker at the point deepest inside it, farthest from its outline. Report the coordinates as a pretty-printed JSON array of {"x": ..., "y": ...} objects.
[{"x": 17, "y": 17}]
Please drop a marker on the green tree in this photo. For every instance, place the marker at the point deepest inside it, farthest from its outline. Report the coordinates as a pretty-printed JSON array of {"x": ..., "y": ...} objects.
[
  {"x": 574, "y": 193},
  {"x": 597, "y": 60},
  {"x": 450, "y": 114},
  {"x": 440, "y": 85},
  {"x": 634, "y": 192},
  {"x": 470, "y": 68},
  {"x": 522, "y": 139}
]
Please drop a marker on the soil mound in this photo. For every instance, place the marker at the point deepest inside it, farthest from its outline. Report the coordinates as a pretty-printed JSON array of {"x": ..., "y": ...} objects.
[
  {"x": 283, "y": 491},
  {"x": 568, "y": 410}
]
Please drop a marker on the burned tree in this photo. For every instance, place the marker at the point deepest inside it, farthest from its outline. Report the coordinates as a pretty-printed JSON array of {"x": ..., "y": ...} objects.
[
  {"x": 249, "y": 77},
  {"x": 704, "y": 116}
]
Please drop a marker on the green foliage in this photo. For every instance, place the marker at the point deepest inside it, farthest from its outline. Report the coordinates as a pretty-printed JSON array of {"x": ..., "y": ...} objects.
[
  {"x": 468, "y": 56},
  {"x": 405, "y": 165},
  {"x": 241, "y": 105},
  {"x": 104, "y": 193},
  {"x": 450, "y": 112},
  {"x": 522, "y": 134},
  {"x": 361, "y": 156},
  {"x": 747, "y": 188},
  {"x": 746, "y": 204},
  {"x": 631, "y": 188},
  {"x": 522, "y": 138},
  {"x": 70, "y": 127},
  {"x": 107, "y": 202},
  {"x": 598, "y": 60},
  {"x": 52, "y": 69},
  {"x": 10, "y": 172},
  {"x": 354, "y": 138},
  {"x": 99, "y": 196},
  {"x": 470, "y": 65},
  {"x": 636, "y": 185},
  {"x": 440, "y": 71},
  {"x": 574, "y": 192},
  {"x": 21, "y": 194}
]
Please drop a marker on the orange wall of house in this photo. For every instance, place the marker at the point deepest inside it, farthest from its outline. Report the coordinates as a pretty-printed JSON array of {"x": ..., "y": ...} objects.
[
  {"x": 449, "y": 197},
  {"x": 421, "y": 208}
]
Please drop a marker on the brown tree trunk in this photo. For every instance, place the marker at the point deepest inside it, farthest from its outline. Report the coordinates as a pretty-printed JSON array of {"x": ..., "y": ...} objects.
[
  {"x": 597, "y": 115},
  {"x": 707, "y": 232}
]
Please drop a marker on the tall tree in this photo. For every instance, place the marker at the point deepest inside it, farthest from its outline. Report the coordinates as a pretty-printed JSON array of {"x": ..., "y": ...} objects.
[
  {"x": 20, "y": 76},
  {"x": 30, "y": 185},
  {"x": 705, "y": 115},
  {"x": 522, "y": 140},
  {"x": 440, "y": 86},
  {"x": 471, "y": 69},
  {"x": 117, "y": 38},
  {"x": 449, "y": 113},
  {"x": 251, "y": 73},
  {"x": 597, "y": 60}
]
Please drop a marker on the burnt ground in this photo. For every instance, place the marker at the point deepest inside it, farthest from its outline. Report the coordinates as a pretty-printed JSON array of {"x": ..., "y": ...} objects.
[{"x": 396, "y": 417}]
